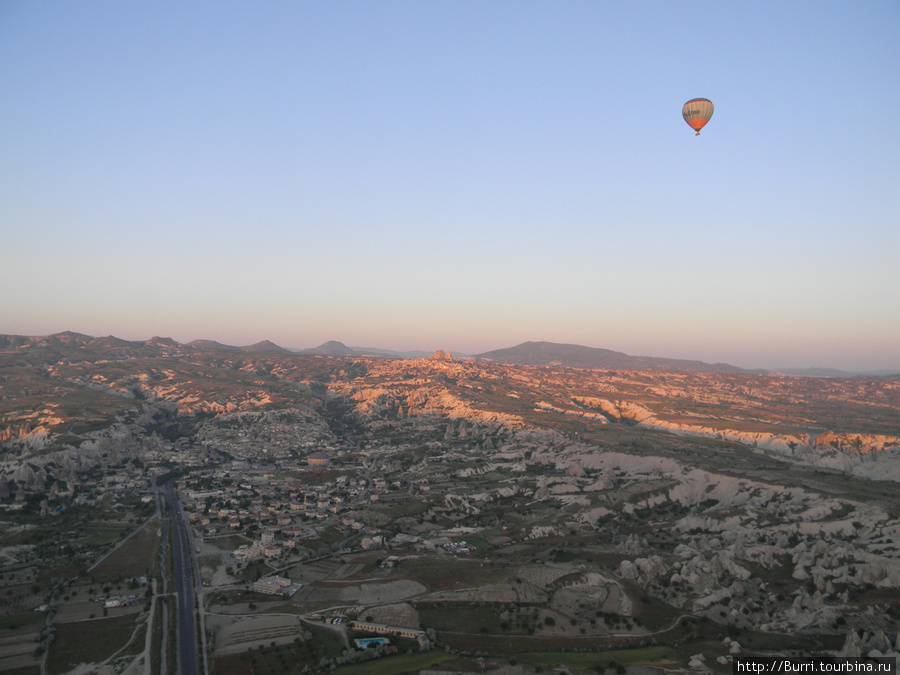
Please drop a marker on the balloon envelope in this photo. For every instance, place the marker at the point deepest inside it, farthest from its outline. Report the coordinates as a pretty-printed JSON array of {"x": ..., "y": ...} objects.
[{"x": 697, "y": 112}]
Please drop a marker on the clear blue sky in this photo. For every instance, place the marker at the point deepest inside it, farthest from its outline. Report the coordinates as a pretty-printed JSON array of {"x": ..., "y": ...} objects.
[{"x": 457, "y": 175}]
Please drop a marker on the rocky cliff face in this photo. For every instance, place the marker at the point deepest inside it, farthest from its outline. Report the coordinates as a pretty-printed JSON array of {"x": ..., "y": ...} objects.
[
  {"x": 850, "y": 425},
  {"x": 733, "y": 408}
]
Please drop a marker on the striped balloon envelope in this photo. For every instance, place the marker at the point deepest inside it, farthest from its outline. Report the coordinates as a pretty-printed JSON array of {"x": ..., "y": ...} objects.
[{"x": 697, "y": 112}]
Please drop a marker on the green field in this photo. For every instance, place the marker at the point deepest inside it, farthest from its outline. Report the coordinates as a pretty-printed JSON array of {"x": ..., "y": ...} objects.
[
  {"x": 394, "y": 665},
  {"x": 444, "y": 572},
  {"x": 135, "y": 558},
  {"x": 88, "y": 642},
  {"x": 63, "y": 570},
  {"x": 287, "y": 659},
  {"x": 18, "y": 620},
  {"x": 645, "y": 656},
  {"x": 460, "y": 618},
  {"x": 28, "y": 670}
]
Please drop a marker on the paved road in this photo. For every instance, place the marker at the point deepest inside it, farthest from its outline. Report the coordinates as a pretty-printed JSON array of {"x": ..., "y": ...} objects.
[{"x": 184, "y": 587}]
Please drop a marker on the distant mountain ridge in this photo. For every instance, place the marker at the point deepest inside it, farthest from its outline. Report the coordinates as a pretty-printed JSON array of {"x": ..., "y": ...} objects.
[
  {"x": 164, "y": 346},
  {"x": 212, "y": 345},
  {"x": 834, "y": 372},
  {"x": 527, "y": 353},
  {"x": 155, "y": 346},
  {"x": 578, "y": 356},
  {"x": 335, "y": 348},
  {"x": 265, "y": 347},
  {"x": 330, "y": 348}
]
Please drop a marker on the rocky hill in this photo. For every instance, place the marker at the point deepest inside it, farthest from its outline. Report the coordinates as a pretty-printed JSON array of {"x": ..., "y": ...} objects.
[
  {"x": 60, "y": 386},
  {"x": 335, "y": 348},
  {"x": 331, "y": 348},
  {"x": 577, "y": 356}
]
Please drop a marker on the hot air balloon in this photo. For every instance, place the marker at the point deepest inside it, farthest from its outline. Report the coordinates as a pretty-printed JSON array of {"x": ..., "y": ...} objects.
[{"x": 697, "y": 112}]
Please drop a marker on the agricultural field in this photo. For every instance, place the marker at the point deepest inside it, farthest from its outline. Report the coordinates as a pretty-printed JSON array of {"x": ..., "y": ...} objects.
[
  {"x": 88, "y": 642},
  {"x": 135, "y": 557}
]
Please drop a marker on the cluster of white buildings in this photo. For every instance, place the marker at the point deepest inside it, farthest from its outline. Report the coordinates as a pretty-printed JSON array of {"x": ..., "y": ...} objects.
[{"x": 276, "y": 585}]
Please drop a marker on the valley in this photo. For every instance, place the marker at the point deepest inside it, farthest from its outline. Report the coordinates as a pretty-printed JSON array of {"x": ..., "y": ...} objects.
[{"x": 478, "y": 515}]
